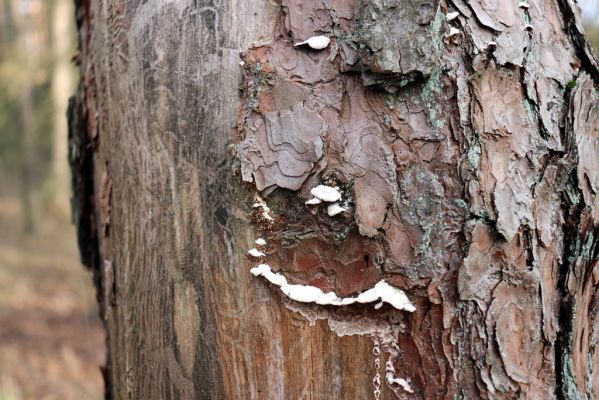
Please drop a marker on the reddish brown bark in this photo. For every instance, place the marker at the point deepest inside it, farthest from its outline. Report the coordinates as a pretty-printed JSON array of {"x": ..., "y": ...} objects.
[{"x": 465, "y": 147}]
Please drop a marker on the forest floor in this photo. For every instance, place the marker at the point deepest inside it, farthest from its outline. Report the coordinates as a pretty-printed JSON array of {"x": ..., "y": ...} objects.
[{"x": 51, "y": 337}]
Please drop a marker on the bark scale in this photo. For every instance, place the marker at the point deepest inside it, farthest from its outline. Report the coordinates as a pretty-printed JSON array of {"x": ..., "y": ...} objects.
[{"x": 466, "y": 149}]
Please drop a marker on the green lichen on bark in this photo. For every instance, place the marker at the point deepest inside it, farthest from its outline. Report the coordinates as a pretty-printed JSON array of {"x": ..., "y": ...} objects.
[
  {"x": 431, "y": 92},
  {"x": 569, "y": 387},
  {"x": 413, "y": 52}
]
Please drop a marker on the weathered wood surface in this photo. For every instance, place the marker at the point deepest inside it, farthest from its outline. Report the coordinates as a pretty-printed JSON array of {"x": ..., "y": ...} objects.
[{"x": 469, "y": 164}]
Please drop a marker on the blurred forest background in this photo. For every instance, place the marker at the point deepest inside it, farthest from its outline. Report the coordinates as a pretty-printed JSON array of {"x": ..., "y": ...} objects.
[
  {"x": 590, "y": 17},
  {"x": 51, "y": 340}
]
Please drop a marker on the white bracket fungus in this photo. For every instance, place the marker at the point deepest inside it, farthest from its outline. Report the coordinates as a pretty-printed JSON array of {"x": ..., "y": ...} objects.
[
  {"x": 326, "y": 193},
  {"x": 524, "y": 5},
  {"x": 260, "y": 242},
  {"x": 334, "y": 209},
  {"x": 315, "y": 42},
  {"x": 256, "y": 253},
  {"x": 260, "y": 203},
  {"x": 313, "y": 201},
  {"x": 453, "y": 32},
  {"x": 311, "y": 294},
  {"x": 529, "y": 27},
  {"x": 330, "y": 195},
  {"x": 264, "y": 270},
  {"x": 452, "y": 15}
]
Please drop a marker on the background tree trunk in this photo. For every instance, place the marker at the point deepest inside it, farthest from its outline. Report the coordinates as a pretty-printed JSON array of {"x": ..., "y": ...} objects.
[
  {"x": 466, "y": 149},
  {"x": 62, "y": 87}
]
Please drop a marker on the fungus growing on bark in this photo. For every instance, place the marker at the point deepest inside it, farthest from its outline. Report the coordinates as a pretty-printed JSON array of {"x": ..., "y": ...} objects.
[
  {"x": 392, "y": 379},
  {"x": 334, "y": 209},
  {"x": 265, "y": 271},
  {"x": 326, "y": 193},
  {"x": 311, "y": 294},
  {"x": 524, "y": 5},
  {"x": 305, "y": 293},
  {"x": 393, "y": 296},
  {"x": 315, "y": 42},
  {"x": 453, "y": 32},
  {"x": 452, "y": 15},
  {"x": 260, "y": 203},
  {"x": 260, "y": 242},
  {"x": 256, "y": 253},
  {"x": 313, "y": 201}
]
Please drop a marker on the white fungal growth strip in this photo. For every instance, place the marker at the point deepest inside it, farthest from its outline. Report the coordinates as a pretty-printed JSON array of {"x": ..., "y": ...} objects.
[
  {"x": 368, "y": 296},
  {"x": 394, "y": 296},
  {"x": 392, "y": 379},
  {"x": 326, "y": 193},
  {"x": 327, "y": 298},
  {"x": 311, "y": 294},
  {"x": 260, "y": 203},
  {"x": 452, "y": 15},
  {"x": 260, "y": 242},
  {"x": 265, "y": 271},
  {"x": 313, "y": 201},
  {"x": 302, "y": 293},
  {"x": 256, "y": 253},
  {"x": 401, "y": 382},
  {"x": 334, "y": 209},
  {"x": 316, "y": 42}
]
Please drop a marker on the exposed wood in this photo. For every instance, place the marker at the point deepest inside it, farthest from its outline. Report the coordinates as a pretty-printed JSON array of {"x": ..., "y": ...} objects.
[{"x": 467, "y": 156}]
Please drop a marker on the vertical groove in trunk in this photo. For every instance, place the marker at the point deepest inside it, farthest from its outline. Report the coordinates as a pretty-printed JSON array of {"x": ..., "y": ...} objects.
[{"x": 462, "y": 138}]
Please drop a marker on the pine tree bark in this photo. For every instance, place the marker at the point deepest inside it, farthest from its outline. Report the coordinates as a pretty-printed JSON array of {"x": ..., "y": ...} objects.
[{"x": 463, "y": 136}]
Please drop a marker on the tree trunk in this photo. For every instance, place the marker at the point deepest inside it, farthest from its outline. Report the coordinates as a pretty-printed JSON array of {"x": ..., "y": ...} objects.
[
  {"x": 26, "y": 110},
  {"x": 462, "y": 137},
  {"x": 61, "y": 88}
]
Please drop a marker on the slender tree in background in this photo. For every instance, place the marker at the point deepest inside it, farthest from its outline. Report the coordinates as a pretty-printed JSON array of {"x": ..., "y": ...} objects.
[
  {"x": 25, "y": 42},
  {"x": 62, "y": 87},
  {"x": 462, "y": 137},
  {"x": 28, "y": 101}
]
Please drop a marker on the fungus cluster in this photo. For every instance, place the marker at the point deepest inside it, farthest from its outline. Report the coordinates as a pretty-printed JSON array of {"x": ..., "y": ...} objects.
[
  {"x": 382, "y": 292},
  {"x": 254, "y": 252},
  {"x": 260, "y": 203},
  {"x": 328, "y": 194}
]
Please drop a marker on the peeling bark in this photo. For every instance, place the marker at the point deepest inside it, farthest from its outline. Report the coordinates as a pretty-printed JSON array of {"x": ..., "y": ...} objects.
[{"x": 466, "y": 153}]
